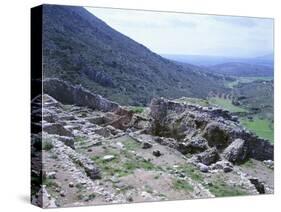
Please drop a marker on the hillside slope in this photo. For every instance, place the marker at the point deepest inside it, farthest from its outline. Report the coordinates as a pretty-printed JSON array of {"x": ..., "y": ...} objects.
[{"x": 80, "y": 48}]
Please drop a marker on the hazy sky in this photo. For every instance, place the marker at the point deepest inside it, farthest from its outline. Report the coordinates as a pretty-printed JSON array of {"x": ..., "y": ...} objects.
[{"x": 177, "y": 33}]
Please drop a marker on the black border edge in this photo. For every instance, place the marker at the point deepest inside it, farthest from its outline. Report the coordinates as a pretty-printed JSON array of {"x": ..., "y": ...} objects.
[{"x": 36, "y": 23}]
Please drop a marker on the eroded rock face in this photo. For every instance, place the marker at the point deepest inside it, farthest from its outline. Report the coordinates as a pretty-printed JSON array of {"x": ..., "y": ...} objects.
[
  {"x": 76, "y": 95},
  {"x": 217, "y": 126}
]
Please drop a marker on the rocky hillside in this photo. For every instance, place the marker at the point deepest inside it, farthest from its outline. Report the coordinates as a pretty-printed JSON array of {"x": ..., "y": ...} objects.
[
  {"x": 82, "y": 49},
  {"x": 97, "y": 152}
]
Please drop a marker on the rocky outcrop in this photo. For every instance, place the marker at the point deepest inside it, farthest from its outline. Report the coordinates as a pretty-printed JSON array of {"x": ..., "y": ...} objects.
[
  {"x": 193, "y": 145},
  {"x": 224, "y": 165},
  {"x": 76, "y": 95},
  {"x": 57, "y": 129},
  {"x": 209, "y": 156},
  {"x": 259, "y": 185},
  {"x": 236, "y": 151},
  {"x": 185, "y": 122}
]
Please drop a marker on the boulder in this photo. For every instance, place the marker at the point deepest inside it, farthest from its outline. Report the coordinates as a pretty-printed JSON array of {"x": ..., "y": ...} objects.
[
  {"x": 194, "y": 145},
  {"x": 209, "y": 156},
  {"x": 92, "y": 171},
  {"x": 224, "y": 165},
  {"x": 258, "y": 185},
  {"x": 103, "y": 131},
  {"x": 236, "y": 152},
  {"x": 51, "y": 175},
  {"x": 156, "y": 153},
  {"x": 202, "y": 167},
  {"x": 71, "y": 184},
  {"x": 269, "y": 163},
  {"x": 108, "y": 158},
  {"x": 146, "y": 145}
]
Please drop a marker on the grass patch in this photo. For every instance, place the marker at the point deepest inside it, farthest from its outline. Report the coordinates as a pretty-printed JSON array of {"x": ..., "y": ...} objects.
[
  {"x": 220, "y": 189},
  {"x": 86, "y": 198},
  {"x": 50, "y": 183},
  {"x": 122, "y": 166},
  {"x": 136, "y": 109},
  {"x": 226, "y": 104},
  {"x": 261, "y": 127},
  {"x": 201, "y": 102},
  {"x": 191, "y": 172},
  {"x": 249, "y": 163},
  {"x": 138, "y": 164},
  {"x": 131, "y": 144},
  {"x": 232, "y": 84},
  {"x": 182, "y": 185},
  {"x": 47, "y": 145},
  {"x": 80, "y": 140}
]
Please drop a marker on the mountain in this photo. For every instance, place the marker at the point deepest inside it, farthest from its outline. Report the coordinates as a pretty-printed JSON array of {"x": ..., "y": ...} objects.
[
  {"x": 265, "y": 60},
  {"x": 82, "y": 49},
  {"x": 200, "y": 60},
  {"x": 206, "y": 60},
  {"x": 242, "y": 69}
]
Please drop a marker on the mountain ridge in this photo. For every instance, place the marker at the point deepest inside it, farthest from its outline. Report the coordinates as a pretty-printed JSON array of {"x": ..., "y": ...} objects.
[{"x": 82, "y": 49}]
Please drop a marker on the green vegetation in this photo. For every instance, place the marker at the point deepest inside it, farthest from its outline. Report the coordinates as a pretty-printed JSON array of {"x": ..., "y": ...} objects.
[
  {"x": 50, "y": 183},
  {"x": 136, "y": 109},
  {"x": 232, "y": 84},
  {"x": 88, "y": 197},
  {"x": 122, "y": 167},
  {"x": 91, "y": 196},
  {"x": 132, "y": 78},
  {"x": 220, "y": 189},
  {"x": 182, "y": 185},
  {"x": 192, "y": 172},
  {"x": 261, "y": 127},
  {"x": 47, "y": 145},
  {"x": 248, "y": 164},
  {"x": 79, "y": 139},
  {"x": 226, "y": 104},
  {"x": 201, "y": 102},
  {"x": 138, "y": 164},
  {"x": 131, "y": 144}
]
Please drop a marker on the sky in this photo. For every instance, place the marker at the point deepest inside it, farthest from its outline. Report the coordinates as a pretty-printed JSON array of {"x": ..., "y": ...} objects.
[{"x": 192, "y": 34}]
